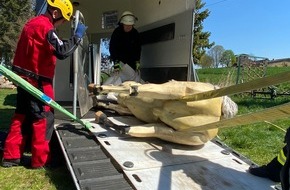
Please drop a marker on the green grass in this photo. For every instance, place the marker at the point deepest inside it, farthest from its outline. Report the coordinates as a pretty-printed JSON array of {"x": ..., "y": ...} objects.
[
  {"x": 259, "y": 142},
  {"x": 17, "y": 178},
  {"x": 7, "y": 106}
]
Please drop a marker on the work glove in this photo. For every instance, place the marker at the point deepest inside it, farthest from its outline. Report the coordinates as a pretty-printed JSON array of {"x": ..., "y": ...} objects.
[
  {"x": 117, "y": 66},
  {"x": 81, "y": 29}
]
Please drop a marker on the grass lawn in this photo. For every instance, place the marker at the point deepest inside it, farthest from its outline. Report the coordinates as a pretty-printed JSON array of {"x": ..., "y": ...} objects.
[
  {"x": 259, "y": 142},
  {"x": 7, "y": 106},
  {"x": 17, "y": 178}
]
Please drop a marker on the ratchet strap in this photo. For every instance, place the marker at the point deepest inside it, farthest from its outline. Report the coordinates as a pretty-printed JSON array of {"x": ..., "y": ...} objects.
[{"x": 30, "y": 74}]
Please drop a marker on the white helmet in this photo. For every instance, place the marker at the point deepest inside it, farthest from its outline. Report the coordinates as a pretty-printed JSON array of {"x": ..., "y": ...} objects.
[{"x": 128, "y": 18}]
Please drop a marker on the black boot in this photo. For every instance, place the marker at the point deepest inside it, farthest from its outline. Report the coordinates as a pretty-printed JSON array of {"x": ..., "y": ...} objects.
[
  {"x": 271, "y": 170},
  {"x": 259, "y": 171},
  {"x": 7, "y": 163},
  {"x": 274, "y": 169}
]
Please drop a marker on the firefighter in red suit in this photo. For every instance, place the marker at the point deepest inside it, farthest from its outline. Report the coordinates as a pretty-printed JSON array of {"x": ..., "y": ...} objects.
[{"x": 35, "y": 59}]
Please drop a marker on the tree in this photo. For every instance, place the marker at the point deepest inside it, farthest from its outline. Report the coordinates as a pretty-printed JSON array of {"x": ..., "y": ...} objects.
[
  {"x": 228, "y": 58},
  {"x": 200, "y": 38},
  {"x": 206, "y": 61},
  {"x": 13, "y": 15},
  {"x": 216, "y": 53}
]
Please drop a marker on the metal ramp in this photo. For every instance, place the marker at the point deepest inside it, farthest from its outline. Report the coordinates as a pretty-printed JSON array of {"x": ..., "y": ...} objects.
[
  {"x": 103, "y": 159},
  {"x": 90, "y": 167}
]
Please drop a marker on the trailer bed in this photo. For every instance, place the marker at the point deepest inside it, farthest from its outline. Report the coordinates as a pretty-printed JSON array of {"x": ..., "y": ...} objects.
[{"x": 103, "y": 159}]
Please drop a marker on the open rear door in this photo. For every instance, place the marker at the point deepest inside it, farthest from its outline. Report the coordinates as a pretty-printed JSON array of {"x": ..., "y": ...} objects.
[{"x": 81, "y": 71}]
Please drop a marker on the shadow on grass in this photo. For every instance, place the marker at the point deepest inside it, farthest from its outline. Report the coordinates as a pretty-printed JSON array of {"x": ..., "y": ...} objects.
[
  {"x": 5, "y": 118},
  {"x": 6, "y": 113},
  {"x": 10, "y": 100},
  {"x": 61, "y": 178},
  {"x": 57, "y": 177}
]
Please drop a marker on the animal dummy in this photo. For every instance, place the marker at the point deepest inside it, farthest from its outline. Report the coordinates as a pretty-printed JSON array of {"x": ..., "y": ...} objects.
[{"x": 165, "y": 113}]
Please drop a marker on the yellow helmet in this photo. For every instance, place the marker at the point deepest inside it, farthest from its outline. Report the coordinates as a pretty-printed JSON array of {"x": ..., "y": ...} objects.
[{"x": 65, "y": 7}]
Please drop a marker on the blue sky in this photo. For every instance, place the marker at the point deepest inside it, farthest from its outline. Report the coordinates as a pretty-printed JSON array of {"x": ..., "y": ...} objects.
[{"x": 256, "y": 27}]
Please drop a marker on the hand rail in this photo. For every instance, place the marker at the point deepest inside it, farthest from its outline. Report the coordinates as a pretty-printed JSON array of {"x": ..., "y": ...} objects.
[{"x": 78, "y": 17}]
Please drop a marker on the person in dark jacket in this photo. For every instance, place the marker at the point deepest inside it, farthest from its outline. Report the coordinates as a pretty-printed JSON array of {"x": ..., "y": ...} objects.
[
  {"x": 125, "y": 43},
  {"x": 35, "y": 60},
  {"x": 272, "y": 169},
  {"x": 278, "y": 168}
]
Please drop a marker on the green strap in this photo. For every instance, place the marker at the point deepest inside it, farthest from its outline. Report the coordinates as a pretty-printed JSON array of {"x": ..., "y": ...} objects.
[{"x": 39, "y": 95}]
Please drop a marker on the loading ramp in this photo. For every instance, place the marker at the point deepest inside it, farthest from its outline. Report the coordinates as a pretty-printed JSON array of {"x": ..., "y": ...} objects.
[
  {"x": 88, "y": 163},
  {"x": 103, "y": 159}
]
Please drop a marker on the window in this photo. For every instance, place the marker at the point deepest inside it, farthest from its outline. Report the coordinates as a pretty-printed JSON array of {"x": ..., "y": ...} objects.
[{"x": 109, "y": 19}]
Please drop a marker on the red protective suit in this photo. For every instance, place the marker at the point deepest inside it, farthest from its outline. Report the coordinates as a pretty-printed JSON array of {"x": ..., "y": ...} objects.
[{"x": 35, "y": 60}]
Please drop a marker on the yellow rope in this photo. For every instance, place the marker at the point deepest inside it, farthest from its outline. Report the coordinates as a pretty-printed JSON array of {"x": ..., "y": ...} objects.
[{"x": 275, "y": 126}]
